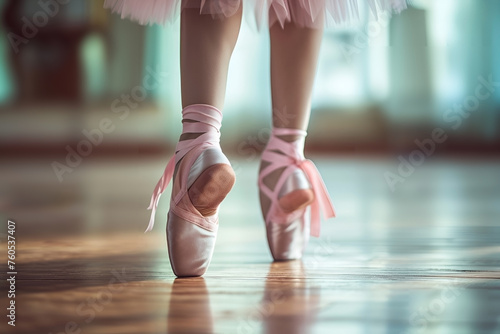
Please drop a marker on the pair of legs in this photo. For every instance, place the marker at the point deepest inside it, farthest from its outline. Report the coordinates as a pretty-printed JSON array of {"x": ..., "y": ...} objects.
[
  {"x": 294, "y": 54},
  {"x": 206, "y": 48}
]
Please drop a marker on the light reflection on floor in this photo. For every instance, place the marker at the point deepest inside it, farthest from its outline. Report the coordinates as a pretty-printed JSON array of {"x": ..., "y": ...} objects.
[{"x": 423, "y": 258}]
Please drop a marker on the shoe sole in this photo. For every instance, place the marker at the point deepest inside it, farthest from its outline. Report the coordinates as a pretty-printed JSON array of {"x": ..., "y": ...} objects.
[
  {"x": 296, "y": 200},
  {"x": 211, "y": 187}
]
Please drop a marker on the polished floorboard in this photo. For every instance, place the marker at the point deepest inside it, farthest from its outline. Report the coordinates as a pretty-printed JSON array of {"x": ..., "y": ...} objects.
[{"x": 424, "y": 258}]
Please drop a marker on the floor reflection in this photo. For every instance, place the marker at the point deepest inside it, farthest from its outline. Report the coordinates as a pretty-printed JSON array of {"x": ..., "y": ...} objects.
[
  {"x": 422, "y": 259},
  {"x": 290, "y": 302},
  {"x": 189, "y": 310}
]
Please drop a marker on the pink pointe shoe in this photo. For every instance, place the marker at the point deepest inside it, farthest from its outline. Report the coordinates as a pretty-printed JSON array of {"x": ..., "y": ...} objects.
[
  {"x": 299, "y": 187},
  {"x": 203, "y": 177}
]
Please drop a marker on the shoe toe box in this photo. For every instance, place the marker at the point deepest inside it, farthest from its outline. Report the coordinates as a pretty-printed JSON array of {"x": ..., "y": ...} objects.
[
  {"x": 190, "y": 247},
  {"x": 288, "y": 241}
]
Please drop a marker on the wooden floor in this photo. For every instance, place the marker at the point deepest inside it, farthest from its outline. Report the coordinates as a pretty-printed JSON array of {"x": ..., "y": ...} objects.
[{"x": 422, "y": 259}]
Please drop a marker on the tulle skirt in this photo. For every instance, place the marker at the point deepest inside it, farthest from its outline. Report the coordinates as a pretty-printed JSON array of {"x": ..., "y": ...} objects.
[{"x": 307, "y": 13}]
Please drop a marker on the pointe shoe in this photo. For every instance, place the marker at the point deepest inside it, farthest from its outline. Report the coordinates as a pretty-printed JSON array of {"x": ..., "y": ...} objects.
[
  {"x": 296, "y": 199},
  {"x": 203, "y": 177}
]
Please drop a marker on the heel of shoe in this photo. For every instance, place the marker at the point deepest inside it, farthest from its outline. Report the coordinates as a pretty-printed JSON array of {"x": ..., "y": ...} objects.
[
  {"x": 211, "y": 187},
  {"x": 296, "y": 192},
  {"x": 296, "y": 200}
]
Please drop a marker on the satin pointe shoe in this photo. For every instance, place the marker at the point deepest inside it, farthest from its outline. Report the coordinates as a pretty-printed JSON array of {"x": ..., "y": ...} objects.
[
  {"x": 296, "y": 198},
  {"x": 202, "y": 177}
]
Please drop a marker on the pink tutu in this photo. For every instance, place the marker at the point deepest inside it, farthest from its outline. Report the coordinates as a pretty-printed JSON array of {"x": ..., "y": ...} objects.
[{"x": 308, "y": 13}]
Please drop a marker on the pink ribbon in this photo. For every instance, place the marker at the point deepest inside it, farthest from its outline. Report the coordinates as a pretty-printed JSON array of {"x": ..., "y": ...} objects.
[
  {"x": 322, "y": 202},
  {"x": 159, "y": 189},
  {"x": 279, "y": 154},
  {"x": 206, "y": 120}
]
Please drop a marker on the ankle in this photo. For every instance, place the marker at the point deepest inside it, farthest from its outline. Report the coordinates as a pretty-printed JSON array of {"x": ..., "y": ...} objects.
[
  {"x": 198, "y": 119},
  {"x": 289, "y": 135},
  {"x": 295, "y": 139}
]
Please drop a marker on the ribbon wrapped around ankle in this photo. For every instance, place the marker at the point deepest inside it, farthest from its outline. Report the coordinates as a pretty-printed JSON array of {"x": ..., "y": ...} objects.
[
  {"x": 197, "y": 119},
  {"x": 288, "y": 155}
]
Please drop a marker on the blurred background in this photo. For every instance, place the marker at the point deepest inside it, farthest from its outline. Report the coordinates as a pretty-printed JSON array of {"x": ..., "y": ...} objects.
[
  {"x": 72, "y": 72},
  {"x": 380, "y": 84}
]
